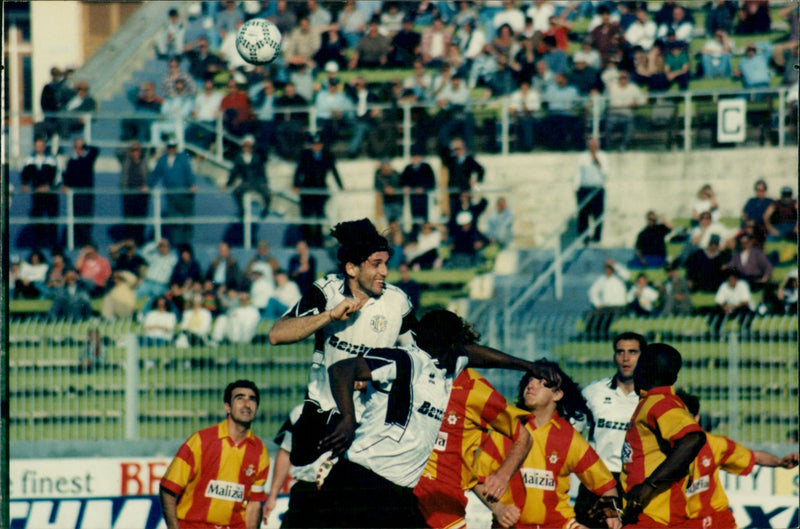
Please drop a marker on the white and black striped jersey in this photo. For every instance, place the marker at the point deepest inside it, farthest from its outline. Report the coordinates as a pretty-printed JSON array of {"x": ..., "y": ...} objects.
[
  {"x": 404, "y": 410},
  {"x": 384, "y": 321},
  {"x": 612, "y": 410}
]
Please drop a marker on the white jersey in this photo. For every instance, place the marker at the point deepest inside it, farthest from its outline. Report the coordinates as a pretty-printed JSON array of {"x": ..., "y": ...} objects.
[
  {"x": 404, "y": 411},
  {"x": 379, "y": 323},
  {"x": 612, "y": 410}
]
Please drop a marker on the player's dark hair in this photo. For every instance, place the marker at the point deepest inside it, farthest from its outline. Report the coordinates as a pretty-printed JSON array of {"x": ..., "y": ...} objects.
[
  {"x": 692, "y": 402},
  {"x": 443, "y": 335},
  {"x": 630, "y": 336},
  {"x": 658, "y": 365},
  {"x": 241, "y": 384},
  {"x": 358, "y": 240},
  {"x": 572, "y": 405}
]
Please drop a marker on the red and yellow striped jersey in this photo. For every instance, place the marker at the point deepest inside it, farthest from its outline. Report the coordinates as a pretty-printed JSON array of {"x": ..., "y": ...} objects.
[
  {"x": 475, "y": 406},
  {"x": 704, "y": 493},
  {"x": 660, "y": 419},
  {"x": 541, "y": 487},
  {"x": 214, "y": 479}
]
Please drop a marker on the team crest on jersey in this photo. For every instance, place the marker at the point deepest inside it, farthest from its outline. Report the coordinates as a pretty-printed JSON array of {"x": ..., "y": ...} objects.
[
  {"x": 378, "y": 323},
  {"x": 706, "y": 461},
  {"x": 250, "y": 471},
  {"x": 607, "y": 400},
  {"x": 627, "y": 453},
  {"x": 553, "y": 458},
  {"x": 452, "y": 418}
]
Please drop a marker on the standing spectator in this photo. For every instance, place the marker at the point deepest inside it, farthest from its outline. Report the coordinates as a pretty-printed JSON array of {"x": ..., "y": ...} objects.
[
  {"x": 206, "y": 108},
  {"x": 642, "y": 297},
  {"x": 463, "y": 171},
  {"x": 78, "y": 176},
  {"x": 249, "y": 175},
  {"x": 608, "y": 296},
  {"x": 170, "y": 40},
  {"x": 161, "y": 262},
  {"x": 780, "y": 218},
  {"x": 590, "y": 179},
  {"x": 303, "y": 268},
  {"x": 32, "y": 278},
  {"x": 364, "y": 117},
  {"x": 50, "y": 102},
  {"x": 289, "y": 125},
  {"x": 434, "y": 43},
  {"x": 500, "y": 230},
  {"x": 751, "y": 263},
  {"x": 387, "y": 186},
  {"x": 71, "y": 301},
  {"x": 466, "y": 242},
  {"x": 310, "y": 175},
  {"x": 135, "y": 198},
  {"x": 651, "y": 249},
  {"x": 623, "y": 98},
  {"x": 455, "y": 112},
  {"x": 174, "y": 72},
  {"x": 159, "y": 323},
  {"x": 145, "y": 102},
  {"x": 412, "y": 289},
  {"x": 524, "y": 105},
  {"x": 264, "y": 101},
  {"x": 40, "y": 172},
  {"x": 80, "y": 102},
  {"x": 237, "y": 112},
  {"x": 238, "y": 324},
  {"x": 755, "y": 206},
  {"x": 676, "y": 298},
  {"x": 716, "y": 56},
  {"x": 174, "y": 172},
  {"x": 564, "y": 126},
  {"x": 286, "y": 294},
  {"x": 120, "y": 301},
  {"x": 332, "y": 108},
  {"x": 303, "y": 43},
  {"x": 175, "y": 113},
  {"x": 606, "y": 35},
  {"x": 95, "y": 270},
  {"x": 372, "y": 51},
  {"x": 704, "y": 266},
  {"x": 246, "y": 469},
  {"x": 753, "y": 68},
  {"x": 417, "y": 180}
]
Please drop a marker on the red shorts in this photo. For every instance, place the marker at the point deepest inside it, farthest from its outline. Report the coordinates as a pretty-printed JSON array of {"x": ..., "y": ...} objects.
[
  {"x": 718, "y": 520},
  {"x": 442, "y": 506}
]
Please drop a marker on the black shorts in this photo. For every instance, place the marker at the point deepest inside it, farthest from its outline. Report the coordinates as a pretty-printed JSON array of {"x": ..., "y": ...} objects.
[{"x": 313, "y": 425}]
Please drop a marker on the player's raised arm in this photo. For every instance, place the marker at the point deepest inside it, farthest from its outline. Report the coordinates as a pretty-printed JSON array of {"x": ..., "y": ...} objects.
[
  {"x": 765, "y": 459},
  {"x": 291, "y": 329},
  {"x": 482, "y": 356}
]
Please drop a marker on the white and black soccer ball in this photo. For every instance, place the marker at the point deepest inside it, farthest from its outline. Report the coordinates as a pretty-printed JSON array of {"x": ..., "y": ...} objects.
[{"x": 258, "y": 41}]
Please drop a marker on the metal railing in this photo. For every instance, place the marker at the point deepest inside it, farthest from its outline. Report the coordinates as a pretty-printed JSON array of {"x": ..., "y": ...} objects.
[
  {"x": 746, "y": 380},
  {"x": 678, "y": 115}
]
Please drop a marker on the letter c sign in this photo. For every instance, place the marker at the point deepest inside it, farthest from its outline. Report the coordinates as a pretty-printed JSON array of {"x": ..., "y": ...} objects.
[{"x": 731, "y": 122}]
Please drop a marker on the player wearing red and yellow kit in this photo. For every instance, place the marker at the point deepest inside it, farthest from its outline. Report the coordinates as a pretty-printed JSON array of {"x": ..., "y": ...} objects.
[
  {"x": 474, "y": 407},
  {"x": 707, "y": 503},
  {"x": 217, "y": 478},
  {"x": 661, "y": 423},
  {"x": 538, "y": 494}
]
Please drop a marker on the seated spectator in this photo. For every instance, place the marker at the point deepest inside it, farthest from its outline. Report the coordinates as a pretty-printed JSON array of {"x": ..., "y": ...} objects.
[
  {"x": 203, "y": 63},
  {"x": 187, "y": 270},
  {"x": 412, "y": 289},
  {"x": 227, "y": 19},
  {"x": 706, "y": 202},
  {"x": 500, "y": 229},
  {"x": 623, "y": 98},
  {"x": 353, "y": 23},
  {"x": 80, "y": 102},
  {"x": 780, "y": 218},
  {"x": 332, "y": 48},
  {"x": 434, "y": 43},
  {"x": 397, "y": 240},
  {"x": 238, "y": 324},
  {"x": 466, "y": 242},
  {"x": 676, "y": 298},
  {"x": 224, "y": 270},
  {"x": 196, "y": 322},
  {"x": 55, "y": 274},
  {"x": 237, "y": 111},
  {"x": 455, "y": 112},
  {"x": 372, "y": 51},
  {"x": 754, "y": 17},
  {"x": 265, "y": 103},
  {"x": 608, "y": 297},
  {"x": 146, "y": 101},
  {"x": 423, "y": 253},
  {"x": 303, "y": 268},
  {"x": 751, "y": 263},
  {"x": 470, "y": 41},
  {"x": 523, "y": 105},
  {"x": 590, "y": 55},
  {"x": 755, "y": 206},
  {"x": 389, "y": 193},
  {"x": 32, "y": 277},
  {"x": 391, "y": 19},
  {"x": 583, "y": 76},
  {"x": 120, "y": 301},
  {"x": 681, "y": 26},
  {"x": 206, "y": 108},
  {"x": 303, "y": 43},
  {"x": 125, "y": 257},
  {"x": 175, "y": 113},
  {"x": 555, "y": 58},
  {"x": 787, "y": 293},
  {"x": 176, "y": 295},
  {"x": 264, "y": 260},
  {"x": 333, "y": 110},
  {"x": 159, "y": 323},
  {"x": 71, "y": 300},
  {"x": 704, "y": 267},
  {"x": 651, "y": 248},
  {"x": 170, "y": 40},
  {"x": 13, "y": 275},
  {"x": 94, "y": 269},
  {"x": 289, "y": 125},
  {"x": 504, "y": 44},
  {"x": 318, "y": 16},
  {"x": 676, "y": 65},
  {"x": 642, "y": 32},
  {"x": 756, "y": 232},
  {"x": 753, "y": 69},
  {"x": 160, "y": 263},
  {"x": 262, "y": 288},
  {"x": 606, "y": 36},
  {"x": 285, "y": 296},
  {"x": 642, "y": 297},
  {"x": 719, "y": 16},
  {"x": 733, "y": 301},
  {"x": 716, "y": 56},
  {"x": 174, "y": 72},
  {"x": 502, "y": 80}
]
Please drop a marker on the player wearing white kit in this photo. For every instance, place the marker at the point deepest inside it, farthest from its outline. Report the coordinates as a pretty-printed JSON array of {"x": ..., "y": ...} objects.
[
  {"x": 612, "y": 401},
  {"x": 349, "y": 314},
  {"x": 386, "y": 451}
]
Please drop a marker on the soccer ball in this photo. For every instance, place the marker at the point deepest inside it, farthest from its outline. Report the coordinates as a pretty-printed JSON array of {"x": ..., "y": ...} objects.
[{"x": 258, "y": 41}]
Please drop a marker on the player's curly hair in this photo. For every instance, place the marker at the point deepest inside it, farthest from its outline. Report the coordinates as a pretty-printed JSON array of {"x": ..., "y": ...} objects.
[
  {"x": 443, "y": 335},
  {"x": 572, "y": 405},
  {"x": 358, "y": 239}
]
